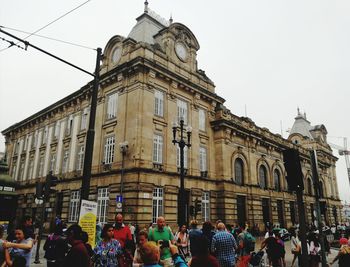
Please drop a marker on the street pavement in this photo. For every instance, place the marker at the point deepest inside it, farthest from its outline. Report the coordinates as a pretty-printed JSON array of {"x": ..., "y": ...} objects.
[{"x": 288, "y": 257}]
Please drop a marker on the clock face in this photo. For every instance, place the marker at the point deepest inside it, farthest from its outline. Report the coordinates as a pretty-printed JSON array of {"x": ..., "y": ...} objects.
[
  {"x": 181, "y": 51},
  {"x": 116, "y": 54}
]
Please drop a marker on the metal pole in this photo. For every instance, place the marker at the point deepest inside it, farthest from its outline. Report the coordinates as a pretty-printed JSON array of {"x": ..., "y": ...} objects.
[
  {"x": 181, "y": 202},
  {"x": 90, "y": 135},
  {"x": 37, "y": 260},
  {"x": 314, "y": 165},
  {"x": 302, "y": 225}
]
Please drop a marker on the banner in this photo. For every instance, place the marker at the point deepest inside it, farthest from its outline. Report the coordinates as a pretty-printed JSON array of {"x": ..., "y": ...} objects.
[{"x": 87, "y": 219}]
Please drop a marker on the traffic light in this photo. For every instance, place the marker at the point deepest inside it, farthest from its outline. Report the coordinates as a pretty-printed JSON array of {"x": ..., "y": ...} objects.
[
  {"x": 292, "y": 165},
  {"x": 198, "y": 205},
  {"x": 50, "y": 182},
  {"x": 39, "y": 190}
]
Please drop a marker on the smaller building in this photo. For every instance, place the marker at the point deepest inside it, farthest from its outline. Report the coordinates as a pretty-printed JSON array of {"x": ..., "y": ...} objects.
[{"x": 8, "y": 197}]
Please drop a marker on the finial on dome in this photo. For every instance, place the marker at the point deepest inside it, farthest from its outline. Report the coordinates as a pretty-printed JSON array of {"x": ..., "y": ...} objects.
[
  {"x": 146, "y": 6},
  {"x": 171, "y": 18}
]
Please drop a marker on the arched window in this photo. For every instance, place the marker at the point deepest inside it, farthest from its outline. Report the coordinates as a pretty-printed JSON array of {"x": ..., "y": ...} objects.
[
  {"x": 239, "y": 171},
  {"x": 277, "y": 180},
  {"x": 263, "y": 177},
  {"x": 309, "y": 186},
  {"x": 321, "y": 190}
]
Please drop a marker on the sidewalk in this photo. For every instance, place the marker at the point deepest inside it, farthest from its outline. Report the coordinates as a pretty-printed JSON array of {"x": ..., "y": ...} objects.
[
  {"x": 41, "y": 255},
  {"x": 289, "y": 255}
]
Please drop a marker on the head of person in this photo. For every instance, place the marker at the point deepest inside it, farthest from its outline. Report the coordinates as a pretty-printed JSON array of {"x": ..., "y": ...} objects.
[
  {"x": 74, "y": 232},
  {"x": 207, "y": 227},
  {"x": 27, "y": 220},
  {"x": 160, "y": 222},
  {"x": 84, "y": 236},
  {"x": 107, "y": 232},
  {"x": 343, "y": 241},
  {"x": 193, "y": 224},
  {"x": 183, "y": 228},
  {"x": 118, "y": 220},
  {"x": 221, "y": 227},
  {"x": 58, "y": 230},
  {"x": 1, "y": 231},
  {"x": 20, "y": 233},
  {"x": 150, "y": 253},
  {"x": 142, "y": 238}
]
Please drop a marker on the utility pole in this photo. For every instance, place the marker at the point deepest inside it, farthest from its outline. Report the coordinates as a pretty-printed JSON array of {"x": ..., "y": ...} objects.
[
  {"x": 313, "y": 157},
  {"x": 90, "y": 135}
]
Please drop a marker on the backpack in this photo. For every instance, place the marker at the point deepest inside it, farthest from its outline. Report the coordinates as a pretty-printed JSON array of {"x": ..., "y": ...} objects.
[
  {"x": 249, "y": 242},
  {"x": 50, "y": 248}
]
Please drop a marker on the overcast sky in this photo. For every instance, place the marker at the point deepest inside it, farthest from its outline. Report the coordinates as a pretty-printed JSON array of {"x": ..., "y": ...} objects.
[{"x": 270, "y": 56}]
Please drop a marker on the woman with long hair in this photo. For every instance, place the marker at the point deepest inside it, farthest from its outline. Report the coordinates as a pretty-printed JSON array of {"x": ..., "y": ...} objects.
[
  {"x": 182, "y": 241},
  {"x": 21, "y": 247},
  {"x": 314, "y": 250},
  {"x": 141, "y": 239},
  {"x": 107, "y": 250},
  {"x": 295, "y": 247}
]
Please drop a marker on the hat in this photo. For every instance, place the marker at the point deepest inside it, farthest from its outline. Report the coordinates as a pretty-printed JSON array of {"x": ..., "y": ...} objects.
[{"x": 343, "y": 241}]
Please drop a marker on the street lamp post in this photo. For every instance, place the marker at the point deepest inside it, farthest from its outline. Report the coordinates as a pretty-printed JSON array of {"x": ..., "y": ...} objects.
[
  {"x": 182, "y": 144},
  {"x": 123, "y": 149}
]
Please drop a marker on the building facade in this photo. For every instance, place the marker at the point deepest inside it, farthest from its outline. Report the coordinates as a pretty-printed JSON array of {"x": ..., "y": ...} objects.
[{"x": 149, "y": 80}]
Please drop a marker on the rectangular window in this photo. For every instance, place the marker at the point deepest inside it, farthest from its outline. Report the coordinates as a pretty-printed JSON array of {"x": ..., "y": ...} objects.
[
  {"x": 158, "y": 103},
  {"x": 14, "y": 168},
  {"x": 202, "y": 159},
  {"x": 102, "y": 205},
  {"x": 158, "y": 149},
  {"x": 69, "y": 125},
  {"x": 35, "y": 141},
  {"x": 21, "y": 172},
  {"x": 157, "y": 203},
  {"x": 45, "y": 135},
  {"x": 25, "y": 143},
  {"x": 57, "y": 130},
  {"x": 182, "y": 111},
  {"x": 41, "y": 166},
  {"x": 30, "y": 169},
  {"x": 80, "y": 158},
  {"x": 241, "y": 210},
  {"x": 201, "y": 116},
  {"x": 74, "y": 206},
  {"x": 52, "y": 162},
  {"x": 178, "y": 156},
  {"x": 205, "y": 207},
  {"x": 65, "y": 161},
  {"x": 84, "y": 119},
  {"x": 109, "y": 150},
  {"x": 112, "y": 106}
]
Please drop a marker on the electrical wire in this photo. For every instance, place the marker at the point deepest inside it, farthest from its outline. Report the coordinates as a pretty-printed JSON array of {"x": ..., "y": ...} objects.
[
  {"x": 60, "y": 17},
  {"x": 49, "y": 38}
]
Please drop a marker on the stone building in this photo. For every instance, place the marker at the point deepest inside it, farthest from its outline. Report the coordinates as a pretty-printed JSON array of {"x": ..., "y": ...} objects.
[{"x": 150, "y": 79}]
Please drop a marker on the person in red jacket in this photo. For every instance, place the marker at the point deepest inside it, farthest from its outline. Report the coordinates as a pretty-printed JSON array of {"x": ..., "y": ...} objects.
[
  {"x": 78, "y": 255},
  {"x": 121, "y": 232}
]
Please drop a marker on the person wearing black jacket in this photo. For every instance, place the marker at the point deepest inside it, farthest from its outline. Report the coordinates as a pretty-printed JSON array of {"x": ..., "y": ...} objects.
[{"x": 55, "y": 247}]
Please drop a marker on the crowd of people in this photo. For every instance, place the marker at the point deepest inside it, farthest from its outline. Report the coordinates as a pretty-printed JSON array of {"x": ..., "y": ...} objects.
[{"x": 121, "y": 245}]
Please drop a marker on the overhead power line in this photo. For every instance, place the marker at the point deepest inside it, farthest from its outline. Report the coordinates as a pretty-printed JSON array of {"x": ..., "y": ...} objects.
[
  {"x": 60, "y": 17},
  {"x": 49, "y": 38}
]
